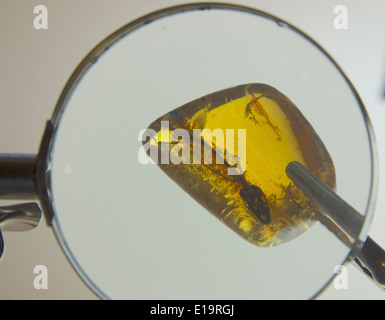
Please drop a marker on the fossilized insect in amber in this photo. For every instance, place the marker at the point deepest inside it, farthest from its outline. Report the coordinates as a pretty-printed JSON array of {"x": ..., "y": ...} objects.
[{"x": 229, "y": 151}]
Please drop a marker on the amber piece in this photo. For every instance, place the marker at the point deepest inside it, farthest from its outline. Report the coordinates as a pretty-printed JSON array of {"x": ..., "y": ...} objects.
[{"x": 256, "y": 200}]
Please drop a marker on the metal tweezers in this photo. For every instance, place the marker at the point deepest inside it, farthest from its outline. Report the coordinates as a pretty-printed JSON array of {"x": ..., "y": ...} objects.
[{"x": 343, "y": 220}]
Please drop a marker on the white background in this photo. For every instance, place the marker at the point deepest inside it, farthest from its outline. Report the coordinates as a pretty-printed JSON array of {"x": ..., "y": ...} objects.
[{"x": 35, "y": 65}]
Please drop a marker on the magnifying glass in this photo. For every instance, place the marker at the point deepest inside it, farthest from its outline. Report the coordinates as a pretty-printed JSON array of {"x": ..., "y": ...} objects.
[{"x": 132, "y": 233}]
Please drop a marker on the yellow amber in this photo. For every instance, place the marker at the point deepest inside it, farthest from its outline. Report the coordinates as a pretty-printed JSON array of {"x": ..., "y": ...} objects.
[{"x": 259, "y": 202}]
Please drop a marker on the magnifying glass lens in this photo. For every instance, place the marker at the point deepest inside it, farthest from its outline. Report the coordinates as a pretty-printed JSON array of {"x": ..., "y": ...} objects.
[{"x": 128, "y": 229}]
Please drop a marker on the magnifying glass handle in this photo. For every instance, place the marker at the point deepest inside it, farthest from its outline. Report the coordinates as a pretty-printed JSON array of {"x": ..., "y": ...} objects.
[
  {"x": 371, "y": 258},
  {"x": 18, "y": 176},
  {"x": 18, "y": 181}
]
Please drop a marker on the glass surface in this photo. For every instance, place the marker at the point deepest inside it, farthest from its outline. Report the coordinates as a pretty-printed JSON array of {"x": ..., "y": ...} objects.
[{"x": 128, "y": 229}]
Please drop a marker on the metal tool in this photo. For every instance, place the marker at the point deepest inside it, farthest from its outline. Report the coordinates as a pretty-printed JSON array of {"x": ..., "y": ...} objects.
[{"x": 347, "y": 222}]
